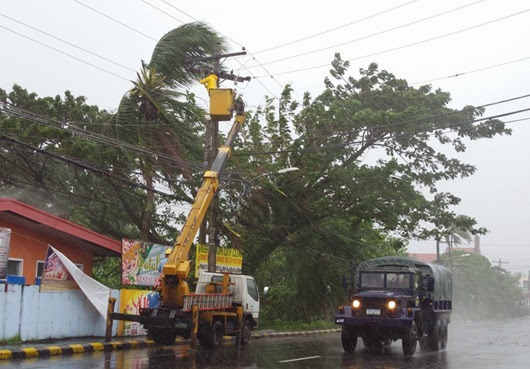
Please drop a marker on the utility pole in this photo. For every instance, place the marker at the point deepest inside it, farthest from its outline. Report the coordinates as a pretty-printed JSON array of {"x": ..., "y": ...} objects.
[
  {"x": 212, "y": 148},
  {"x": 500, "y": 262}
]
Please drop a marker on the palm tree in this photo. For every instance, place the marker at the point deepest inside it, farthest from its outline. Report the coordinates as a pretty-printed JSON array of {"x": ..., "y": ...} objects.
[
  {"x": 459, "y": 231},
  {"x": 155, "y": 115}
]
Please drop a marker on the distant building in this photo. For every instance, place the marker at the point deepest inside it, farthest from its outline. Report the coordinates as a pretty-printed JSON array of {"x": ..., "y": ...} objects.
[
  {"x": 426, "y": 258},
  {"x": 32, "y": 230}
]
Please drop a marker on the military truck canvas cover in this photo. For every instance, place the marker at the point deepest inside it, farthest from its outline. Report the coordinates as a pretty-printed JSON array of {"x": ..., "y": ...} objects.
[{"x": 443, "y": 281}]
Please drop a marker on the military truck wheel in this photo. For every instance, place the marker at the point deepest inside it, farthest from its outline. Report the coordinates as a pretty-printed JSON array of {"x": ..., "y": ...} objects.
[
  {"x": 349, "y": 339},
  {"x": 432, "y": 341},
  {"x": 163, "y": 336},
  {"x": 243, "y": 337},
  {"x": 444, "y": 335},
  {"x": 410, "y": 340},
  {"x": 211, "y": 337}
]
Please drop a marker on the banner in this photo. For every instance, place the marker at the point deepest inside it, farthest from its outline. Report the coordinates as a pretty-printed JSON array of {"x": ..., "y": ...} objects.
[
  {"x": 130, "y": 303},
  {"x": 228, "y": 260},
  {"x": 58, "y": 274},
  {"x": 139, "y": 262},
  {"x": 5, "y": 241}
]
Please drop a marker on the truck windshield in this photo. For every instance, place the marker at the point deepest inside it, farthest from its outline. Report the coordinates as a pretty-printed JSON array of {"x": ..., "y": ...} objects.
[{"x": 389, "y": 280}]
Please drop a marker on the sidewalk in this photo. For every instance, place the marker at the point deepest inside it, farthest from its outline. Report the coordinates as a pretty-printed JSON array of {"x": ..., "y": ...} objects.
[{"x": 94, "y": 344}]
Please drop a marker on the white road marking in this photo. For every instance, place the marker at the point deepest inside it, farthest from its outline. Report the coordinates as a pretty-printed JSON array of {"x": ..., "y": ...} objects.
[{"x": 301, "y": 358}]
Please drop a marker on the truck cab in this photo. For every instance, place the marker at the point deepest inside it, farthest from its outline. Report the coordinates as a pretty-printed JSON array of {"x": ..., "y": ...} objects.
[
  {"x": 243, "y": 288},
  {"x": 398, "y": 298}
]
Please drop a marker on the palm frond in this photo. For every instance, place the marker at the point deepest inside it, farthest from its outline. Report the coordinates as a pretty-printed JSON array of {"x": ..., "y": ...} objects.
[{"x": 176, "y": 47}]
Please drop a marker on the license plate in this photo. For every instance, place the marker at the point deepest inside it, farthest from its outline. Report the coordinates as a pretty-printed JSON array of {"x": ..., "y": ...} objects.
[{"x": 373, "y": 311}]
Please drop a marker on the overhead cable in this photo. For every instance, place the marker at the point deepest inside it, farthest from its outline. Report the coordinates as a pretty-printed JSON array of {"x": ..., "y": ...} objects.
[{"x": 406, "y": 45}]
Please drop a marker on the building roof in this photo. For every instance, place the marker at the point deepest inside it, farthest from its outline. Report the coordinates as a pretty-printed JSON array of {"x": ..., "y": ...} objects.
[
  {"x": 38, "y": 220},
  {"x": 426, "y": 258}
]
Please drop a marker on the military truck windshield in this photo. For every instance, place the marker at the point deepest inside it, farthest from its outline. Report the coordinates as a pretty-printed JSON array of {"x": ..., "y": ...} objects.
[{"x": 390, "y": 280}]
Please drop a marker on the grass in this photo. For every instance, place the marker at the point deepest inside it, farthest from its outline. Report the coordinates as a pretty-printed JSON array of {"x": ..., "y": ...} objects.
[
  {"x": 297, "y": 325},
  {"x": 12, "y": 340}
]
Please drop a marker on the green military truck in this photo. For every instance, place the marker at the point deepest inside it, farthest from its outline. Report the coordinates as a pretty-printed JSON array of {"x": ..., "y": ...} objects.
[{"x": 398, "y": 298}]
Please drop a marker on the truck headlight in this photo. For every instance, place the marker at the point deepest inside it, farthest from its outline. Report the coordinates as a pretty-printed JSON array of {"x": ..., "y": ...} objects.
[
  {"x": 391, "y": 305},
  {"x": 356, "y": 303}
]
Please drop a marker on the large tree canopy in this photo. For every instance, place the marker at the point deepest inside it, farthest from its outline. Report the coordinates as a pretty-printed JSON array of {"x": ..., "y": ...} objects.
[{"x": 371, "y": 152}]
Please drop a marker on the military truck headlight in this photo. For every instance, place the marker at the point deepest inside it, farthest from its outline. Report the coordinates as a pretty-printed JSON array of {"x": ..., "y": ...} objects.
[
  {"x": 391, "y": 305},
  {"x": 356, "y": 303}
]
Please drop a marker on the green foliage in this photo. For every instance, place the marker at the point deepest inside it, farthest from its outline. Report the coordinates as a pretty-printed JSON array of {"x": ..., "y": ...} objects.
[
  {"x": 481, "y": 291},
  {"x": 15, "y": 340},
  {"x": 365, "y": 147},
  {"x": 107, "y": 270}
]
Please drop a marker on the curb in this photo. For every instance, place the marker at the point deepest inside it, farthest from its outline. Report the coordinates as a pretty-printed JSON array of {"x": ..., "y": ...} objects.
[{"x": 46, "y": 352}]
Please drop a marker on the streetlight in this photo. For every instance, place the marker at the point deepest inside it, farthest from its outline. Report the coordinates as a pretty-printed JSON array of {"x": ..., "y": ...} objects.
[{"x": 280, "y": 171}]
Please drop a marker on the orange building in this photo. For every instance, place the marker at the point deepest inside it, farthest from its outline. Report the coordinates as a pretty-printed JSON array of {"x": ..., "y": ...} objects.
[{"x": 32, "y": 230}]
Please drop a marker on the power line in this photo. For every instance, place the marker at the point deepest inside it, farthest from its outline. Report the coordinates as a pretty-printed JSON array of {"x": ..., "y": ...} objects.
[
  {"x": 102, "y": 139},
  {"x": 408, "y": 134},
  {"x": 335, "y": 28},
  {"x": 81, "y": 164},
  {"x": 473, "y": 70},
  {"x": 406, "y": 45},
  {"x": 68, "y": 43},
  {"x": 116, "y": 21},
  {"x": 372, "y": 34},
  {"x": 415, "y": 120},
  {"x": 160, "y": 10},
  {"x": 66, "y": 54}
]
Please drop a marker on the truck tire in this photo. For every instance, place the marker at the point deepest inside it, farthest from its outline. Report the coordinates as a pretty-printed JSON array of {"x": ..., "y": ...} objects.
[
  {"x": 243, "y": 337},
  {"x": 432, "y": 341},
  {"x": 410, "y": 340},
  {"x": 444, "y": 335},
  {"x": 349, "y": 339},
  {"x": 163, "y": 336},
  {"x": 211, "y": 337}
]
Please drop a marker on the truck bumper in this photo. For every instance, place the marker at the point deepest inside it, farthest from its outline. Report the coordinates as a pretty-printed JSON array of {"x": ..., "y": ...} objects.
[
  {"x": 154, "y": 321},
  {"x": 373, "y": 322}
]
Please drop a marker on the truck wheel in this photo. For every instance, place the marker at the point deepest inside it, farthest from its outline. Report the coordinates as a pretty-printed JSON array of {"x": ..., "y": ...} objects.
[
  {"x": 211, "y": 337},
  {"x": 409, "y": 341},
  {"x": 349, "y": 339},
  {"x": 243, "y": 337},
  {"x": 444, "y": 335},
  {"x": 163, "y": 336},
  {"x": 432, "y": 341}
]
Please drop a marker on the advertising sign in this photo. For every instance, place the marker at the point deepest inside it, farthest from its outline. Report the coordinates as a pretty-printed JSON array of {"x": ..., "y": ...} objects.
[
  {"x": 139, "y": 262},
  {"x": 5, "y": 240},
  {"x": 228, "y": 260},
  {"x": 130, "y": 303},
  {"x": 55, "y": 276}
]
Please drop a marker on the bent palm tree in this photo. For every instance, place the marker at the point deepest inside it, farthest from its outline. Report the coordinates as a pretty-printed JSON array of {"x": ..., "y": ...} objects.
[{"x": 153, "y": 114}]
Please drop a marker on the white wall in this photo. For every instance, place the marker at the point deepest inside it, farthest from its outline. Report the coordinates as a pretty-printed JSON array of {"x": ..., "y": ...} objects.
[{"x": 38, "y": 315}]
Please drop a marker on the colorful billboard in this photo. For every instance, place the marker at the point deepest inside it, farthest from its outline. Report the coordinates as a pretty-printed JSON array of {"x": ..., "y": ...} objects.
[
  {"x": 139, "y": 262},
  {"x": 130, "y": 303},
  {"x": 5, "y": 241},
  {"x": 228, "y": 260}
]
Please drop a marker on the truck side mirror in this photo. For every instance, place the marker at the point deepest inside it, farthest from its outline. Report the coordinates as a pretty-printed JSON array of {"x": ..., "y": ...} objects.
[
  {"x": 430, "y": 284},
  {"x": 265, "y": 290},
  {"x": 344, "y": 282}
]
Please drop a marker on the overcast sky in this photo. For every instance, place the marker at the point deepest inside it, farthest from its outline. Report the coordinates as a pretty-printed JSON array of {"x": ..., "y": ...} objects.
[{"x": 476, "y": 50}]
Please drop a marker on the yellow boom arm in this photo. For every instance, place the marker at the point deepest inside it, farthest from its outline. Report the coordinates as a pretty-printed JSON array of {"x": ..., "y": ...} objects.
[{"x": 177, "y": 267}]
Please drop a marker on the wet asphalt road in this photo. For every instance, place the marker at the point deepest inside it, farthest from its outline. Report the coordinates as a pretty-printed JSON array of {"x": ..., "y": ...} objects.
[{"x": 491, "y": 344}]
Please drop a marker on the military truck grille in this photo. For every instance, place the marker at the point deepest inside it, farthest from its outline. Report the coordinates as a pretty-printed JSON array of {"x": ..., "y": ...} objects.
[{"x": 374, "y": 304}]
